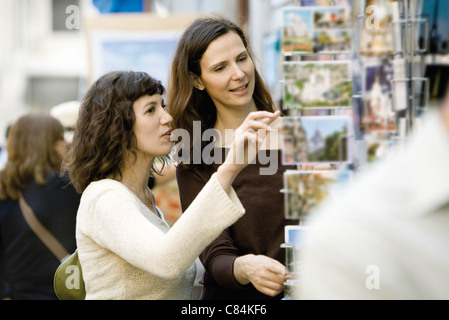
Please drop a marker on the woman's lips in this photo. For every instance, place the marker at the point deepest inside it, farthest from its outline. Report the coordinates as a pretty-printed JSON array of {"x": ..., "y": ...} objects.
[{"x": 240, "y": 89}]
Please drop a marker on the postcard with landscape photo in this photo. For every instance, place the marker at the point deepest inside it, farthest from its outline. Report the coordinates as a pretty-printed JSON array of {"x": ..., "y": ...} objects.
[
  {"x": 318, "y": 84},
  {"x": 304, "y": 191},
  {"x": 316, "y": 139}
]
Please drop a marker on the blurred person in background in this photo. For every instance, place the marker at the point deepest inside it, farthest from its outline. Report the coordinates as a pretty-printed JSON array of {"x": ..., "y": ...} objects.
[
  {"x": 387, "y": 236},
  {"x": 36, "y": 147},
  {"x": 67, "y": 114},
  {"x": 3, "y": 151}
]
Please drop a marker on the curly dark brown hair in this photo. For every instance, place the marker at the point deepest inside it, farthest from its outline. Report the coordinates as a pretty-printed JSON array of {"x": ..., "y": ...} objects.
[{"x": 104, "y": 130}]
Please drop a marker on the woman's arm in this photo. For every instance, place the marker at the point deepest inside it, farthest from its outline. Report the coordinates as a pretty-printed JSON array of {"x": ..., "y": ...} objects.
[{"x": 116, "y": 222}]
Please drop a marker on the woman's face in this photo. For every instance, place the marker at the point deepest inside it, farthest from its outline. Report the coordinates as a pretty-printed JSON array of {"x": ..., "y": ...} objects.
[
  {"x": 227, "y": 72},
  {"x": 61, "y": 147},
  {"x": 152, "y": 126}
]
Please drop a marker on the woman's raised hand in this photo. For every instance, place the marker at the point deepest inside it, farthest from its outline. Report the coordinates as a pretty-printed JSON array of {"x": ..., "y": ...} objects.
[{"x": 247, "y": 140}]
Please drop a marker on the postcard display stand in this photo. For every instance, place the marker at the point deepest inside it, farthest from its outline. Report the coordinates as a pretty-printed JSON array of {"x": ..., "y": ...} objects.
[{"x": 352, "y": 91}]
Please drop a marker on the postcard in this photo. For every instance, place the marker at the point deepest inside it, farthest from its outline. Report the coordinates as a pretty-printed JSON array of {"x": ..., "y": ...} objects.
[
  {"x": 377, "y": 36},
  {"x": 294, "y": 242},
  {"x": 316, "y": 29},
  {"x": 316, "y": 139},
  {"x": 317, "y": 84},
  {"x": 382, "y": 149},
  {"x": 378, "y": 113},
  {"x": 297, "y": 30},
  {"x": 294, "y": 234},
  {"x": 304, "y": 191}
]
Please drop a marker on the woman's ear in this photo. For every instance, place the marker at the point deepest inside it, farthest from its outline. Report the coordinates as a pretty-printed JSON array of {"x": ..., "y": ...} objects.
[{"x": 197, "y": 83}]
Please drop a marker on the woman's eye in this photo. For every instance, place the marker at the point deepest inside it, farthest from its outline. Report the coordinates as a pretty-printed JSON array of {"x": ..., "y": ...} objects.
[
  {"x": 164, "y": 106},
  {"x": 150, "y": 110},
  {"x": 243, "y": 58}
]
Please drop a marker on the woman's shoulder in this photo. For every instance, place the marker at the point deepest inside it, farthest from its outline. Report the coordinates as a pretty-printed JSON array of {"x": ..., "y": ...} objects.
[
  {"x": 107, "y": 194},
  {"x": 104, "y": 186}
]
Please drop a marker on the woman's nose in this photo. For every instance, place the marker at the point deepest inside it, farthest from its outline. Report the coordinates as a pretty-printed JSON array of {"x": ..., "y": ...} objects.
[
  {"x": 237, "y": 72},
  {"x": 166, "y": 117}
]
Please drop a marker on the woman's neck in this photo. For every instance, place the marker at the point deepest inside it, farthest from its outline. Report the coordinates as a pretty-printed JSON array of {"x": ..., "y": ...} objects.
[
  {"x": 135, "y": 178},
  {"x": 230, "y": 119}
]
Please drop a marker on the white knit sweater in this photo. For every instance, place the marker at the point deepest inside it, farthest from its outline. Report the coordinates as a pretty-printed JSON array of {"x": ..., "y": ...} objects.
[{"x": 127, "y": 252}]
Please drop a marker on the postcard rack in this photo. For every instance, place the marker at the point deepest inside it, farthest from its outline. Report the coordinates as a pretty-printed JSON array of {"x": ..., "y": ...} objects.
[
  {"x": 317, "y": 101},
  {"x": 388, "y": 91},
  {"x": 382, "y": 80}
]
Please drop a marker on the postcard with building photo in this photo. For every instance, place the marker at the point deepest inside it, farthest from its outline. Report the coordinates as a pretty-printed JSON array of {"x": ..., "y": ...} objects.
[
  {"x": 316, "y": 29},
  {"x": 297, "y": 30},
  {"x": 293, "y": 141},
  {"x": 304, "y": 191},
  {"x": 317, "y": 84},
  {"x": 316, "y": 139},
  {"x": 378, "y": 113}
]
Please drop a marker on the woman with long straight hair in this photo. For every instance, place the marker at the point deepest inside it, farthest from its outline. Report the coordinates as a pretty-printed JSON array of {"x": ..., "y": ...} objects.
[{"x": 214, "y": 85}]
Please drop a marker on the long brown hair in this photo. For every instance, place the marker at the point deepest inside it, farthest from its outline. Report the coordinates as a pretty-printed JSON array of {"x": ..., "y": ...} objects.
[
  {"x": 104, "y": 130},
  {"x": 187, "y": 104},
  {"x": 31, "y": 153}
]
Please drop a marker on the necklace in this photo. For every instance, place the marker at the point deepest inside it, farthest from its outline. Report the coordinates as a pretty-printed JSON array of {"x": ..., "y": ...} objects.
[{"x": 147, "y": 198}]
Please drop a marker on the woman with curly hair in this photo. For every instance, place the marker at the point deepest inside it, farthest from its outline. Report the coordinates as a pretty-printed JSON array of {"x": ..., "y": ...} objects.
[
  {"x": 126, "y": 248},
  {"x": 36, "y": 147}
]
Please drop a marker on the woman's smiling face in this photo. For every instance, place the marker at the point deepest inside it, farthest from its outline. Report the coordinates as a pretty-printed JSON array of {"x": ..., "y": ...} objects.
[{"x": 227, "y": 72}]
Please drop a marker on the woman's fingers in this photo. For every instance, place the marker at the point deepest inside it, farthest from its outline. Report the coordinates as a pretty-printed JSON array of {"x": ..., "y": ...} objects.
[{"x": 261, "y": 119}]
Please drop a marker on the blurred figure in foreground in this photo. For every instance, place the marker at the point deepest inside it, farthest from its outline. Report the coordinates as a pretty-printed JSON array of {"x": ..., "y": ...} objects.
[
  {"x": 36, "y": 147},
  {"x": 387, "y": 236}
]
